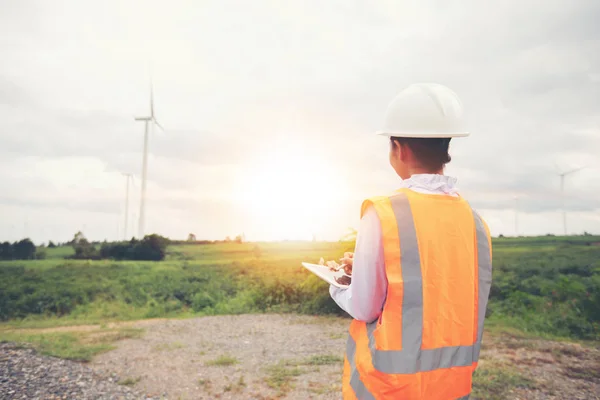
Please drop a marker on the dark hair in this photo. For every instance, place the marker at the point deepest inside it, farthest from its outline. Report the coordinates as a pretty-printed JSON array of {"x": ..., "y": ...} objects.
[{"x": 432, "y": 153}]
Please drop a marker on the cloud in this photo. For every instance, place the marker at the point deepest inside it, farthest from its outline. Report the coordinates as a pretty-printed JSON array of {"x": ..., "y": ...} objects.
[{"x": 234, "y": 79}]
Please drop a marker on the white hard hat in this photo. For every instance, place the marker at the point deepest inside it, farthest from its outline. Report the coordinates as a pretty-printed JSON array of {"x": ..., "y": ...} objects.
[{"x": 425, "y": 110}]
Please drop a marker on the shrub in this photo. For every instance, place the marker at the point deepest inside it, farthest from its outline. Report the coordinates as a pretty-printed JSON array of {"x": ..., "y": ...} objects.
[
  {"x": 22, "y": 250},
  {"x": 151, "y": 248}
]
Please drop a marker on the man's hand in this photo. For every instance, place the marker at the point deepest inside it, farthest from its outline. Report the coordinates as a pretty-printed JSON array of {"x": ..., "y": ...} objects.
[
  {"x": 347, "y": 261},
  {"x": 332, "y": 265}
]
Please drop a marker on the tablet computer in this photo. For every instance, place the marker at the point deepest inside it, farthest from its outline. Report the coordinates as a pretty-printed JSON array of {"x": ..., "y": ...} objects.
[{"x": 329, "y": 276}]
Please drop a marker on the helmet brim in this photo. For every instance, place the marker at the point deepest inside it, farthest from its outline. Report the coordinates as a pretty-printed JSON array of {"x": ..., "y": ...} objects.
[{"x": 423, "y": 134}]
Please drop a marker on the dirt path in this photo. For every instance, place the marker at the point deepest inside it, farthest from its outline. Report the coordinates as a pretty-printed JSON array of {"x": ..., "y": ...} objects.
[
  {"x": 552, "y": 370},
  {"x": 234, "y": 357},
  {"x": 300, "y": 357}
]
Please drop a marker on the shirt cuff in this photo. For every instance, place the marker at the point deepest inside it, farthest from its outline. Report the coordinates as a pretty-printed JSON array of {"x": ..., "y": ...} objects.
[{"x": 333, "y": 290}]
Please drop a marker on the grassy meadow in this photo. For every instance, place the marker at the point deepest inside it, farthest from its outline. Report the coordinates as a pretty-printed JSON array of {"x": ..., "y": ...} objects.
[{"x": 547, "y": 286}]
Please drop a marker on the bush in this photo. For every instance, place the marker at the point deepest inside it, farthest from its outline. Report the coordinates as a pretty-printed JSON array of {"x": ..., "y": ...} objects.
[
  {"x": 22, "y": 250},
  {"x": 6, "y": 251},
  {"x": 548, "y": 290},
  {"x": 202, "y": 300},
  {"x": 151, "y": 248},
  {"x": 84, "y": 250},
  {"x": 40, "y": 254}
]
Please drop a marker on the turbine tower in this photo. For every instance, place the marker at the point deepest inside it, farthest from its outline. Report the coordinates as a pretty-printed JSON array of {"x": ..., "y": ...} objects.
[
  {"x": 562, "y": 194},
  {"x": 147, "y": 121},
  {"x": 516, "y": 198},
  {"x": 128, "y": 177}
]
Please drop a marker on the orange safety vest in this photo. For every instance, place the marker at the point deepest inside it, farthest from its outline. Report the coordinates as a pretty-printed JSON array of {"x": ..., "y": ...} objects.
[{"x": 426, "y": 342}]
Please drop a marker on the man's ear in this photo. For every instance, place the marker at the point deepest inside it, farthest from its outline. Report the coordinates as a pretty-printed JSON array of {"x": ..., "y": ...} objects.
[
  {"x": 403, "y": 152},
  {"x": 393, "y": 145}
]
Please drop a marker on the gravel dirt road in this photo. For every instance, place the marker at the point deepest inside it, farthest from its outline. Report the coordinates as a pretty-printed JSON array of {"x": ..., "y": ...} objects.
[
  {"x": 235, "y": 357},
  {"x": 269, "y": 356},
  {"x": 24, "y": 374}
]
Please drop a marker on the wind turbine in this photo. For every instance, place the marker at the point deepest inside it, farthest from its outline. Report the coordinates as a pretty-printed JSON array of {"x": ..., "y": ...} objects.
[
  {"x": 562, "y": 194},
  {"x": 133, "y": 221},
  {"x": 128, "y": 177},
  {"x": 516, "y": 198},
  {"x": 147, "y": 120}
]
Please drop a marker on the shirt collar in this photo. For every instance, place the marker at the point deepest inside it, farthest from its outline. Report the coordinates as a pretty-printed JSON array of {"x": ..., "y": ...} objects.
[{"x": 432, "y": 182}]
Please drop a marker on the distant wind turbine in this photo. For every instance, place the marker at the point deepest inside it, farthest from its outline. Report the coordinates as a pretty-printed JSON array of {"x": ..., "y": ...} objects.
[
  {"x": 128, "y": 177},
  {"x": 147, "y": 120},
  {"x": 516, "y": 198},
  {"x": 562, "y": 194},
  {"x": 134, "y": 215}
]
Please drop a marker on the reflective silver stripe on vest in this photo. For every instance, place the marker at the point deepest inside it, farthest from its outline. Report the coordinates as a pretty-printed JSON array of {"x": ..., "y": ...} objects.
[
  {"x": 412, "y": 358},
  {"x": 484, "y": 261},
  {"x": 360, "y": 391},
  {"x": 412, "y": 278}
]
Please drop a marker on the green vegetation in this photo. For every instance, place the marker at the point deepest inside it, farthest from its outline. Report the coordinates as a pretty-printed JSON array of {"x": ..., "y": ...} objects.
[
  {"x": 542, "y": 286},
  {"x": 324, "y": 359},
  {"x": 280, "y": 377},
  {"x": 236, "y": 387},
  {"x": 223, "y": 361},
  {"x": 494, "y": 381},
  {"x": 129, "y": 381},
  {"x": 21, "y": 250},
  {"x": 150, "y": 248},
  {"x": 200, "y": 280},
  {"x": 59, "y": 252},
  {"x": 577, "y": 372},
  {"x": 72, "y": 345},
  {"x": 547, "y": 286}
]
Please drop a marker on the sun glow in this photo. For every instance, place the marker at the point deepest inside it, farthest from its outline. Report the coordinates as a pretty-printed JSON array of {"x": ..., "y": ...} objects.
[{"x": 290, "y": 193}]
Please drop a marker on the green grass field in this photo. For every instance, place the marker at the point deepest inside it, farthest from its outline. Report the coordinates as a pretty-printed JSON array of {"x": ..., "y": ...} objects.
[
  {"x": 546, "y": 286},
  {"x": 59, "y": 252}
]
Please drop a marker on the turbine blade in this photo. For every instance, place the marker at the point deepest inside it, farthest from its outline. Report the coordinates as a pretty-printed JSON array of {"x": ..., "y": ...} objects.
[
  {"x": 151, "y": 99},
  {"x": 159, "y": 125},
  {"x": 574, "y": 170},
  {"x": 556, "y": 168}
]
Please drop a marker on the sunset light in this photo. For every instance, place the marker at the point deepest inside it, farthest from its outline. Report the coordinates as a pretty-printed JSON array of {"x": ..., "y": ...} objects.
[
  {"x": 303, "y": 199},
  {"x": 290, "y": 192}
]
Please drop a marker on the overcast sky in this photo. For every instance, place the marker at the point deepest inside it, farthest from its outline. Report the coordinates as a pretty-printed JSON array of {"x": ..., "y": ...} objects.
[{"x": 241, "y": 86}]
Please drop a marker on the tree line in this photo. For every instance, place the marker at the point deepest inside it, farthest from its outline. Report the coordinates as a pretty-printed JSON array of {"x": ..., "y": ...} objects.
[
  {"x": 150, "y": 248},
  {"x": 21, "y": 250}
]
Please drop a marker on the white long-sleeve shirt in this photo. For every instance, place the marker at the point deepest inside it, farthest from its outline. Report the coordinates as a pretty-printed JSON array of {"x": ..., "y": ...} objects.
[{"x": 365, "y": 296}]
